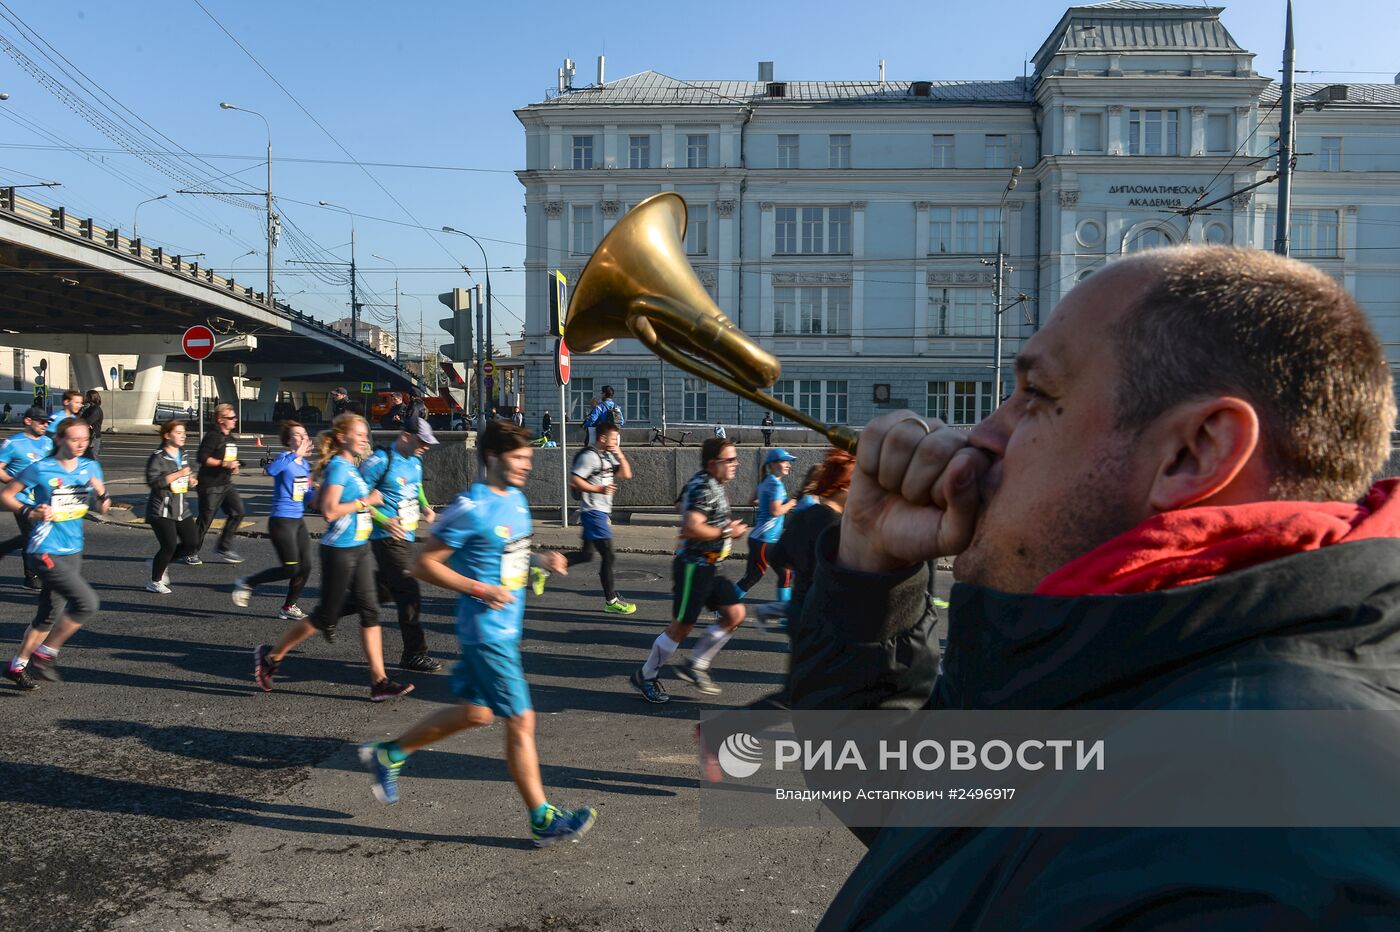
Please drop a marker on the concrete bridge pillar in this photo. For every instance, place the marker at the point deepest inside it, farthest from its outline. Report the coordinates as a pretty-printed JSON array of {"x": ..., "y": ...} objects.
[
  {"x": 88, "y": 372},
  {"x": 137, "y": 408},
  {"x": 260, "y": 409}
]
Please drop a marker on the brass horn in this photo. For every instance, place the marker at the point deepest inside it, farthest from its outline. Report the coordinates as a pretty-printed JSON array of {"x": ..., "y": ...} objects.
[{"x": 639, "y": 284}]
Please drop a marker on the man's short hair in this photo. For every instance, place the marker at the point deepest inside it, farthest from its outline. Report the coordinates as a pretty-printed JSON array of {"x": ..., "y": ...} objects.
[
  {"x": 1280, "y": 334},
  {"x": 607, "y": 427},
  {"x": 607, "y": 392},
  {"x": 223, "y": 409},
  {"x": 712, "y": 448},
  {"x": 501, "y": 437},
  {"x": 72, "y": 393}
]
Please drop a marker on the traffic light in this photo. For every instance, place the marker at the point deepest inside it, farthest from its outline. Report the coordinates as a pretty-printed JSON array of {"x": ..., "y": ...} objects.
[{"x": 459, "y": 325}]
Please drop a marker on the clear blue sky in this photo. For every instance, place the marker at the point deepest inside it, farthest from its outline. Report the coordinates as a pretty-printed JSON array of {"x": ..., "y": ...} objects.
[{"x": 435, "y": 83}]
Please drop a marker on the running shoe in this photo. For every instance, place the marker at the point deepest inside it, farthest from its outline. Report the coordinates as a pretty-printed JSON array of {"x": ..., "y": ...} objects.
[
  {"x": 619, "y": 607},
  {"x": 420, "y": 663},
  {"x": 291, "y": 613},
  {"x": 264, "y": 667},
  {"x": 651, "y": 690},
  {"x": 158, "y": 586},
  {"x": 773, "y": 614},
  {"x": 191, "y": 560},
  {"x": 227, "y": 556},
  {"x": 242, "y": 592},
  {"x": 32, "y": 582},
  {"x": 387, "y": 689},
  {"x": 375, "y": 759},
  {"x": 21, "y": 678},
  {"x": 538, "y": 577},
  {"x": 46, "y": 668},
  {"x": 697, "y": 677},
  {"x": 164, "y": 577},
  {"x": 563, "y": 825}
]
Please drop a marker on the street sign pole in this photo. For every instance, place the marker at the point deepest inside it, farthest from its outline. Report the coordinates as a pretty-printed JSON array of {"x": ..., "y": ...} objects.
[
  {"x": 562, "y": 374},
  {"x": 199, "y": 405},
  {"x": 198, "y": 342}
]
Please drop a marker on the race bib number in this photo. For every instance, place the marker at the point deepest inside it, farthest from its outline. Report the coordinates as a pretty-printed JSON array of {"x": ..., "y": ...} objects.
[
  {"x": 69, "y": 503},
  {"x": 515, "y": 564},
  {"x": 363, "y": 524},
  {"x": 299, "y": 486},
  {"x": 230, "y": 453},
  {"x": 408, "y": 515},
  {"x": 181, "y": 485}
]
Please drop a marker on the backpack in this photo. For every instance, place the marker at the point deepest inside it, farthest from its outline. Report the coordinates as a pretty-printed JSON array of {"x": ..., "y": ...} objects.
[{"x": 578, "y": 493}]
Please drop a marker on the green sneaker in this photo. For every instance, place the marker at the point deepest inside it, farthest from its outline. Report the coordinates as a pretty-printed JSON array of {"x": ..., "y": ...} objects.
[
  {"x": 619, "y": 607},
  {"x": 537, "y": 580}
]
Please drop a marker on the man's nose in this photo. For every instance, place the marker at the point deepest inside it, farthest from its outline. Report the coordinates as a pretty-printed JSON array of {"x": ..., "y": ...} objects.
[{"x": 990, "y": 435}]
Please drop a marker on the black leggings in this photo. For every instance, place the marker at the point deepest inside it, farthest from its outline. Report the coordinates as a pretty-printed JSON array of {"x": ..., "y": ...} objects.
[
  {"x": 394, "y": 560},
  {"x": 177, "y": 539},
  {"x": 19, "y": 543},
  {"x": 758, "y": 565},
  {"x": 347, "y": 588},
  {"x": 293, "y": 545},
  {"x": 605, "y": 570},
  {"x": 210, "y": 501}
]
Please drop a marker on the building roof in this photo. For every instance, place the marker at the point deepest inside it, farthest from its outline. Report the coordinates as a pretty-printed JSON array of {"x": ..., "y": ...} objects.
[
  {"x": 1356, "y": 94},
  {"x": 1134, "y": 25},
  {"x": 651, "y": 88}
]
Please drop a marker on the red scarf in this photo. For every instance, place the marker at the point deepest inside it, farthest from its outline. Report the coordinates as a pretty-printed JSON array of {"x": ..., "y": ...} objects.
[{"x": 1196, "y": 544}]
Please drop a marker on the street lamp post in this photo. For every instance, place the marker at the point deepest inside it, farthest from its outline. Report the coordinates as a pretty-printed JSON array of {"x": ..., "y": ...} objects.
[
  {"x": 376, "y": 255},
  {"x": 490, "y": 350},
  {"x": 136, "y": 213},
  {"x": 271, "y": 217},
  {"x": 997, "y": 287},
  {"x": 354, "y": 295}
]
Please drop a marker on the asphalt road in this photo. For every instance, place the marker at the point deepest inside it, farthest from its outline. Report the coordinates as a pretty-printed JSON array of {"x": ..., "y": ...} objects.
[{"x": 157, "y": 788}]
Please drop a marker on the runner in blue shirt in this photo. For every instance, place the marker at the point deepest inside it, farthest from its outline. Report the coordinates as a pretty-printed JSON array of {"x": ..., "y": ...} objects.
[
  {"x": 347, "y": 573},
  {"x": 772, "y": 505},
  {"x": 481, "y": 548},
  {"x": 61, "y": 483},
  {"x": 291, "y": 491},
  {"x": 70, "y": 406},
  {"x": 18, "y": 452},
  {"x": 397, "y": 472}
]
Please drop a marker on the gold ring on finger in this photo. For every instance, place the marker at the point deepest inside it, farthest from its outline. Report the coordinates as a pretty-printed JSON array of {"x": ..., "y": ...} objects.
[{"x": 917, "y": 420}]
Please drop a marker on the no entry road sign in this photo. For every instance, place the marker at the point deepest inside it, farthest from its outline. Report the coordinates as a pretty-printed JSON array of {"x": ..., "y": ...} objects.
[{"x": 198, "y": 342}]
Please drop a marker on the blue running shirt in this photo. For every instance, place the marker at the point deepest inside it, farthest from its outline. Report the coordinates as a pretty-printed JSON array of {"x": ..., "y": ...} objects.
[
  {"x": 398, "y": 479},
  {"x": 291, "y": 483},
  {"x": 490, "y": 534},
  {"x": 20, "y": 452},
  {"x": 66, "y": 492},
  {"x": 768, "y": 527},
  {"x": 350, "y": 530}
]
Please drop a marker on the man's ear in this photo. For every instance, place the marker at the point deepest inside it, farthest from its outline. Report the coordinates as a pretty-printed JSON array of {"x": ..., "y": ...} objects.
[{"x": 1210, "y": 449}]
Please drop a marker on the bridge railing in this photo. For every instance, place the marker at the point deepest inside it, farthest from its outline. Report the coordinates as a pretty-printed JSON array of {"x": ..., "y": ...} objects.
[{"x": 84, "y": 228}]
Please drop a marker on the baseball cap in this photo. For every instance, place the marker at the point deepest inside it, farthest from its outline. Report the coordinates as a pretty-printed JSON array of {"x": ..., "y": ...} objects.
[
  {"x": 36, "y": 413},
  {"x": 422, "y": 429},
  {"x": 778, "y": 455}
]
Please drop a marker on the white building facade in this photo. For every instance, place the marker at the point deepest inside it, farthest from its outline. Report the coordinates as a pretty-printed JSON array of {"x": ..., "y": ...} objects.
[{"x": 851, "y": 228}]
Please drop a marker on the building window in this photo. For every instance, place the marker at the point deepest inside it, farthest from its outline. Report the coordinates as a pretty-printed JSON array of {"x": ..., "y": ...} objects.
[
  {"x": 1219, "y": 139},
  {"x": 961, "y": 312},
  {"x": 1218, "y": 234},
  {"x": 826, "y": 400},
  {"x": 838, "y": 150},
  {"x": 942, "y": 150},
  {"x": 580, "y": 399},
  {"x": 697, "y": 401},
  {"x": 823, "y": 230},
  {"x": 995, "y": 151},
  {"x": 697, "y": 230},
  {"x": 1330, "y": 158},
  {"x": 1151, "y": 237},
  {"x": 583, "y": 152},
  {"x": 967, "y": 230},
  {"x": 787, "y": 150},
  {"x": 1090, "y": 132},
  {"x": 639, "y": 151},
  {"x": 811, "y": 310},
  {"x": 959, "y": 403},
  {"x": 1313, "y": 234},
  {"x": 1152, "y": 132},
  {"x": 638, "y": 400},
  {"x": 581, "y": 226},
  {"x": 697, "y": 151},
  {"x": 1089, "y": 233}
]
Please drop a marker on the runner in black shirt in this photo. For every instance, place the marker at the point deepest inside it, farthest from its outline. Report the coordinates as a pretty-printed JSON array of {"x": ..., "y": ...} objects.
[{"x": 218, "y": 465}]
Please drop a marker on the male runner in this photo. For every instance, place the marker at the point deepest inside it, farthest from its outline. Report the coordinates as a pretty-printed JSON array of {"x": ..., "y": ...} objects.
[
  {"x": 397, "y": 472},
  {"x": 594, "y": 477},
  {"x": 70, "y": 406},
  {"x": 771, "y": 507},
  {"x": 706, "y": 534},
  {"x": 480, "y": 547},
  {"x": 61, "y": 483},
  {"x": 17, "y": 454},
  {"x": 218, "y": 465}
]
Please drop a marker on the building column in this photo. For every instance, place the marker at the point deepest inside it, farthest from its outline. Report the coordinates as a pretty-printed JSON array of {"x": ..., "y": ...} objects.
[
  {"x": 1346, "y": 246},
  {"x": 88, "y": 372},
  {"x": 765, "y": 279},
  {"x": 668, "y": 145},
  {"x": 1198, "y": 131},
  {"x": 1070, "y": 130},
  {"x": 1116, "y": 136},
  {"x": 921, "y": 244},
  {"x": 858, "y": 277},
  {"x": 726, "y": 291}
]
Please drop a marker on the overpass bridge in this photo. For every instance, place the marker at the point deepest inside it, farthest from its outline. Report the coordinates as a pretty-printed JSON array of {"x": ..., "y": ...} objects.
[{"x": 67, "y": 285}]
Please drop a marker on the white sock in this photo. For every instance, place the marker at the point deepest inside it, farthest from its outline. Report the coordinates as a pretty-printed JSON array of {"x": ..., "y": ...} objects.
[
  {"x": 661, "y": 652},
  {"x": 710, "y": 643}
]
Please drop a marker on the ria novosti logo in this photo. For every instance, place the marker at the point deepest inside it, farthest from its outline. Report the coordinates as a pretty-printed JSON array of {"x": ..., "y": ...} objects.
[{"x": 740, "y": 755}]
